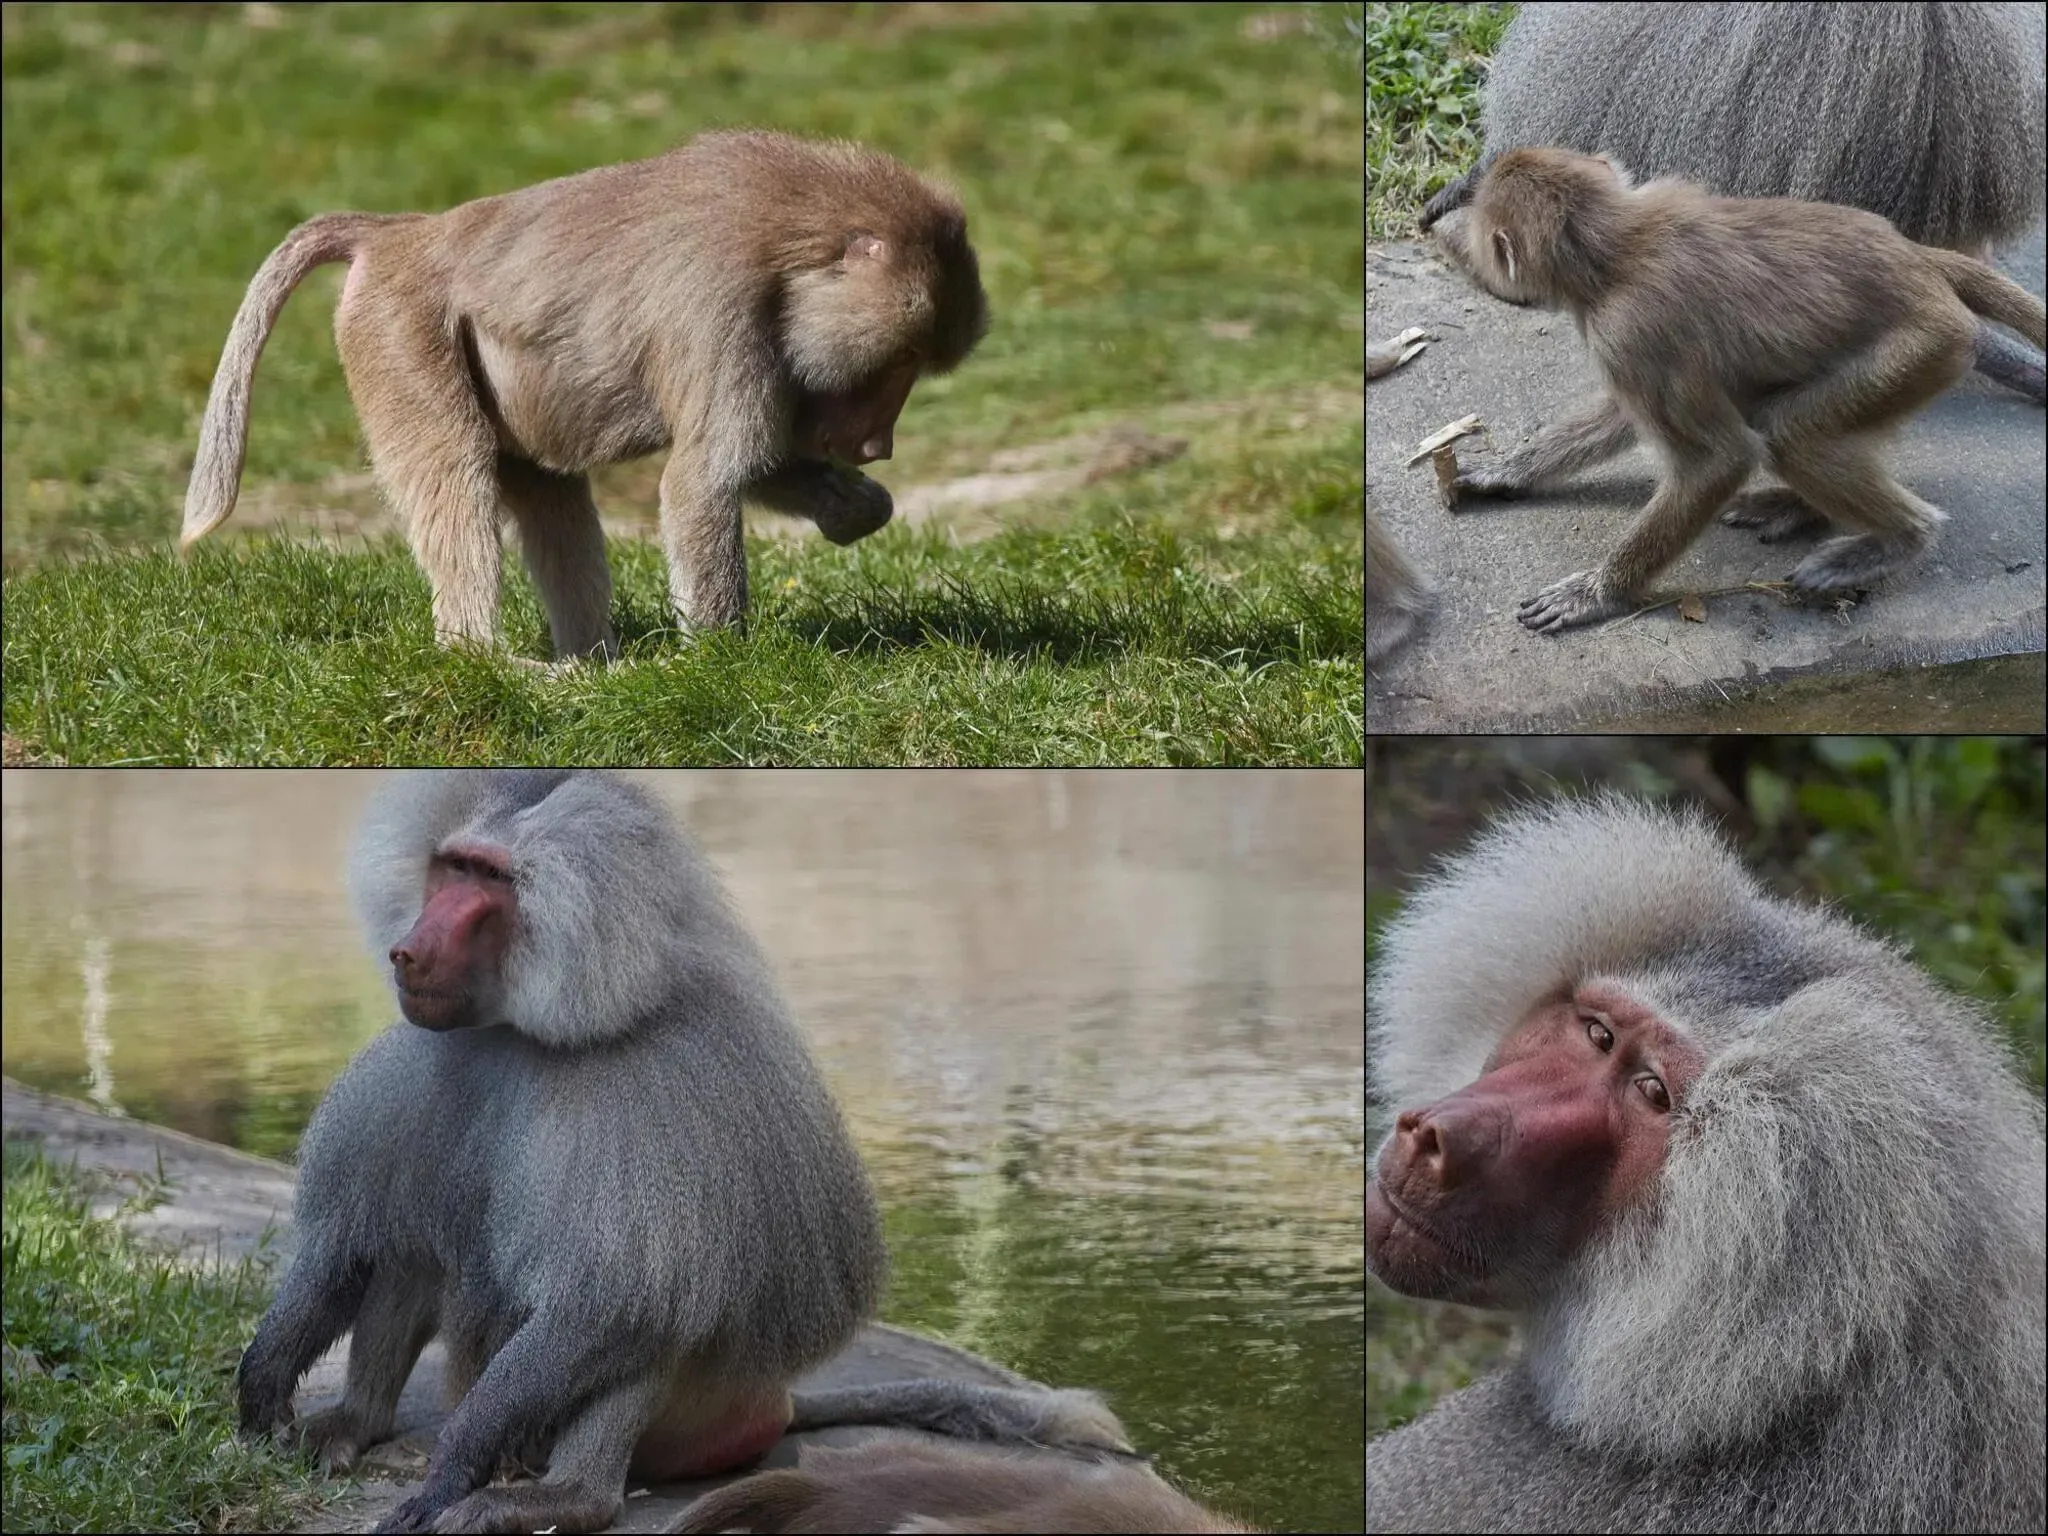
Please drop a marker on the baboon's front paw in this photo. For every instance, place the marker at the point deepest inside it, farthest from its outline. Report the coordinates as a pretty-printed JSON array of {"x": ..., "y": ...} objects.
[
  {"x": 266, "y": 1414},
  {"x": 1566, "y": 604},
  {"x": 1775, "y": 514}
]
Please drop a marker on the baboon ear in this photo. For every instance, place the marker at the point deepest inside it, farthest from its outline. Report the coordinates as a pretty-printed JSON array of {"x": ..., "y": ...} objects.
[
  {"x": 863, "y": 246},
  {"x": 1504, "y": 257}
]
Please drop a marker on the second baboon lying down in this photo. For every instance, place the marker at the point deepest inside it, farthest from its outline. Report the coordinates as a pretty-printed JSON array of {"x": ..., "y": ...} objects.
[
  {"x": 903, "y": 1484},
  {"x": 1731, "y": 331}
]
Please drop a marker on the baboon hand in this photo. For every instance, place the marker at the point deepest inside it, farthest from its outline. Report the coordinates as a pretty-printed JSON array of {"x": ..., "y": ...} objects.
[
  {"x": 416, "y": 1514},
  {"x": 1578, "y": 599},
  {"x": 850, "y": 506},
  {"x": 1488, "y": 482},
  {"x": 266, "y": 1414}
]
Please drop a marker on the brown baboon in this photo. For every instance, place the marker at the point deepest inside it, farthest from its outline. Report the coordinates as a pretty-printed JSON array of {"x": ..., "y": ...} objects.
[
  {"x": 1929, "y": 114},
  {"x": 1767, "y": 1203},
  {"x": 758, "y": 305},
  {"x": 1722, "y": 325},
  {"x": 900, "y": 1484}
]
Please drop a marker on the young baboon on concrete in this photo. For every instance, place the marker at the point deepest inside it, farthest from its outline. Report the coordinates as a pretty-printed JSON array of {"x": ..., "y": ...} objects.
[
  {"x": 758, "y": 305},
  {"x": 1929, "y": 114},
  {"x": 1721, "y": 324},
  {"x": 1770, "y": 1206}
]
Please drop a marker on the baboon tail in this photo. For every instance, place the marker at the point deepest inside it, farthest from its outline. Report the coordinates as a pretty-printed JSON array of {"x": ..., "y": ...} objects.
[
  {"x": 224, "y": 430},
  {"x": 1067, "y": 1418},
  {"x": 767, "y": 1501},
  {"x": 1994, "y": 296}
]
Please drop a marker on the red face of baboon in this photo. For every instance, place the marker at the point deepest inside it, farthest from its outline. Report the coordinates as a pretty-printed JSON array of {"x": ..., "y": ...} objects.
[
  {"x": 1483, "y": 1196},
  {"x": 450, "y": 968}
]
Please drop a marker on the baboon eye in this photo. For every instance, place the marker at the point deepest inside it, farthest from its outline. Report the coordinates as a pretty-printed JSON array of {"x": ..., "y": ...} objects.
[
  {"x": 1598, "y": 1032},
  {"x": 1654, "y": 1090}
]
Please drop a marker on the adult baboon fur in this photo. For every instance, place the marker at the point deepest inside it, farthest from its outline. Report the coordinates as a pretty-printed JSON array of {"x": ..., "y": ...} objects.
[
  {"x": 595, "y": 1157},
  {"x": 1722, "y": 327},
  {"x": 1820, "y": 1307},
  {"x": 895, "y": 1483},
  {"x": 758, "y": 305},
  {"x": 1931, "y": 115}
]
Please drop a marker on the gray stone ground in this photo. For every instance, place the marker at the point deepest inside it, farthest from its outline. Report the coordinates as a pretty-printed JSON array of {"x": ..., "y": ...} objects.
[{"x": 1979, "y": 599}]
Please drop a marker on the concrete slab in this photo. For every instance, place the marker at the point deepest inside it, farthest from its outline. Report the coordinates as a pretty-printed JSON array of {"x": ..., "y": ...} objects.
[{"x": 1954, "y": 645}]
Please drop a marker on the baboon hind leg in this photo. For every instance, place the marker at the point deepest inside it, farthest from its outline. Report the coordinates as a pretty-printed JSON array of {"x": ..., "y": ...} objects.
[
  {"x": 1826, "y": 438},
  {"x": 432, "y": 447},
  {"x": 1846, "y": 480},
  {"x": 563, "y": 544},
  {"x": 396, "y": 1319}
]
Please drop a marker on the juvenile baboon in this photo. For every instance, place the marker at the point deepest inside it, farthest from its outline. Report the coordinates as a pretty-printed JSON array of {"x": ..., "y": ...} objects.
[
  {"x": 1721, "y": 326},
  {"x": 595, "y": 1157},
  {"x": 900, "y": 1484},
  {"x": 1767, "y": 1203},
  {"x": 758, "y": 305},
  {"x": 1929, "y": 114}
]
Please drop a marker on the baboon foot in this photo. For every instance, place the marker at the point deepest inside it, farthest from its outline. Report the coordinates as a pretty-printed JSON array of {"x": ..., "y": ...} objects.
[
  {"x": 1578, "y": 599},
  {"x": 1775, "y": 514},
  {"x": 522, "y": 1507},
  {"x": 1856, "y": 560},
  {"x": 337, "y": 1438}
]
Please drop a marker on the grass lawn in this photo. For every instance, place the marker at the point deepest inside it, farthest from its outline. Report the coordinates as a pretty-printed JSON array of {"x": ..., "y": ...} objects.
[{"x": 1168, "y": 203}]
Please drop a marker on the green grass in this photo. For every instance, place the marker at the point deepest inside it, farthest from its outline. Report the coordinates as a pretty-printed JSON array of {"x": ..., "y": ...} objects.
[
  {"x": 1114, "y": 640},
  {"x": 1168, "y": 204},
  {"x": 117, "y": 1363},
  {"x": 1423, "y": 76}
]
